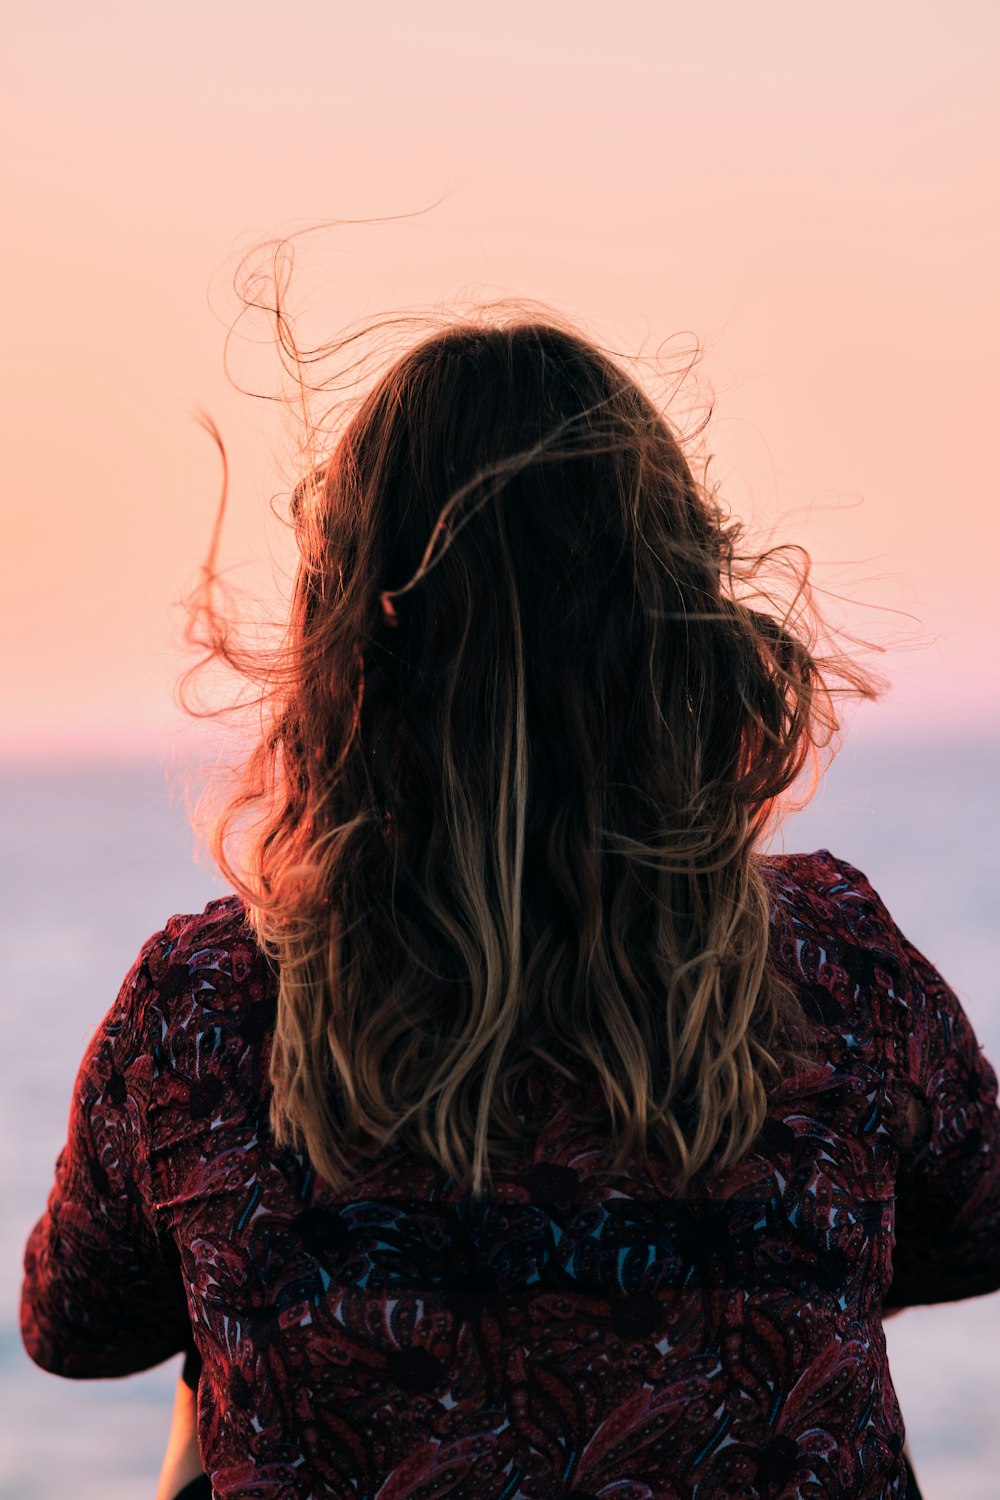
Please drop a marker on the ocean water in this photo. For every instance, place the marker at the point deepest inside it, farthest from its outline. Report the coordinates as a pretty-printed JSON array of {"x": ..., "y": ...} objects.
[{"x": 97, "y": 857}]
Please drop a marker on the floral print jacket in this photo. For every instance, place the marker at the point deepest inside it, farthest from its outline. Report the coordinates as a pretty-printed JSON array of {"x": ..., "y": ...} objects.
[{"x": 578, "y": 1335}]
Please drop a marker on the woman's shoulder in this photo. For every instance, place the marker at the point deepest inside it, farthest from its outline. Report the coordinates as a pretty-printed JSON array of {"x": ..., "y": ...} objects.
[
  {"x": 200, "y": 960},
  {"x": 200, "y": 939},
  {"x": 833, "y": 937},
  {"x": 224, "y": 917},
  {"x": 828, "y": 891}
]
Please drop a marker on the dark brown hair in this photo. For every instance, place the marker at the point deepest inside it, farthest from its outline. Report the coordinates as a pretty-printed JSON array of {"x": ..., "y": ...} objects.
[{"x": 532, "y": 716}]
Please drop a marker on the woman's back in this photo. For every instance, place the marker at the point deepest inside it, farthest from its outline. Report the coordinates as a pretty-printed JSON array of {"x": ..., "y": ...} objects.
[{"x": 581, "y": 1332}]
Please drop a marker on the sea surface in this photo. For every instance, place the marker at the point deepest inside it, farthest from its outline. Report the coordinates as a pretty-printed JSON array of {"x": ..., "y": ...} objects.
[{"x": 96, "y": 857}]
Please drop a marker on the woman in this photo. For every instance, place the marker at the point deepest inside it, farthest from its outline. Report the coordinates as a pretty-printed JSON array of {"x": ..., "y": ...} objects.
[{"x": 518, "y": 1129}]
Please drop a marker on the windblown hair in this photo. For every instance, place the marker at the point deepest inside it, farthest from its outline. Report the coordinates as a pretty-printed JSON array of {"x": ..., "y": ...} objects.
[{"x": 531, "y": 720}]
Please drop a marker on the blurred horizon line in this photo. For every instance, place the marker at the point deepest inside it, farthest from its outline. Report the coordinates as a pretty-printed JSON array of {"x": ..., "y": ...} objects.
[{"x": 168, "y": 750}]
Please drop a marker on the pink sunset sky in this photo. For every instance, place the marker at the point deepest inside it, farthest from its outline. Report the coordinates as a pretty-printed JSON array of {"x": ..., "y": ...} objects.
[{"x": 810, "y": 190}]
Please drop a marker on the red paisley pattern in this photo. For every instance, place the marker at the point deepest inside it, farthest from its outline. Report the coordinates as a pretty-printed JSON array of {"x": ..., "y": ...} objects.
[{"x": 581, "y": 1335}]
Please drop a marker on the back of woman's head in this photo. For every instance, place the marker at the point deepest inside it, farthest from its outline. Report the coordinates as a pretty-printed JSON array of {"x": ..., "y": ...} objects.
[{"x": 526, "y": 733}]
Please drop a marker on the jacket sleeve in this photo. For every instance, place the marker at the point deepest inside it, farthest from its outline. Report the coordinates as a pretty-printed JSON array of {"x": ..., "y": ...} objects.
[
  {"x": 102, "y": 1292},
  {"x": 947, "y": 1211}
]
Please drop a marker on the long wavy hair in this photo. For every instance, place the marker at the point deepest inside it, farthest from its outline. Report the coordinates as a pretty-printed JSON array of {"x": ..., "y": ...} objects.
[{"x": 534, "y": 712}]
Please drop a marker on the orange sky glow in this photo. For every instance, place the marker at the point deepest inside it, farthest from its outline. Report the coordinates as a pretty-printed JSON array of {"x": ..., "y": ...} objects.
[{"x": 810, "y": 191}]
